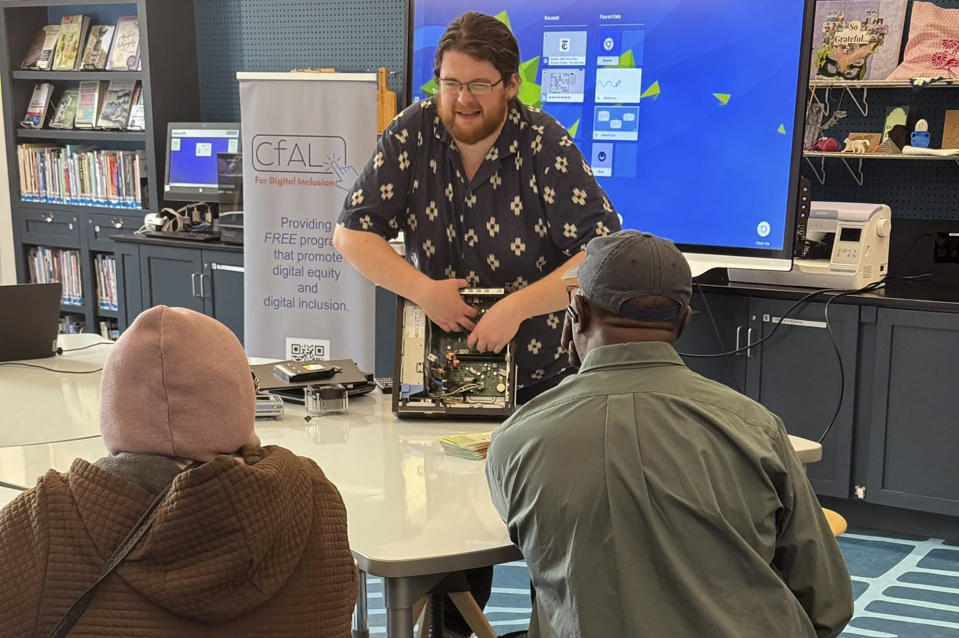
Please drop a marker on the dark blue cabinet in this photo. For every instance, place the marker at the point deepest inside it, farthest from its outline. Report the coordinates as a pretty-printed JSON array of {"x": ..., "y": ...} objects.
[
  {"x": 796, "y": 373},
  {"x": 914, "y": 434},
  {"x": 203, "y": 277}
]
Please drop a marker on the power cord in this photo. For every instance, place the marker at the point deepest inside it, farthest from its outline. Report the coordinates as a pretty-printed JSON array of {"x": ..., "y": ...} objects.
[
  {"x": 835, "y": 342},
  {"x": 38, "y": 443},
  {"x": 33, "y": 365},
  {"x": 832, "y": 337},
  {"x": 778, "y": 323},
  {"x": 92, "y": 345}
]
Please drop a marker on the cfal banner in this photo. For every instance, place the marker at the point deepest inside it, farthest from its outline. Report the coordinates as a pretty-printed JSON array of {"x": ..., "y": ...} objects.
[{"x": 304, "y": 134}]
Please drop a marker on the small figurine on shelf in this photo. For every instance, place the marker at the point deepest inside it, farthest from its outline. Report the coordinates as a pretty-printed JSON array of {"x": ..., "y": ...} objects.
[
  {"x": 920, "y": 136},
  {"x": 855, "y": 146}
]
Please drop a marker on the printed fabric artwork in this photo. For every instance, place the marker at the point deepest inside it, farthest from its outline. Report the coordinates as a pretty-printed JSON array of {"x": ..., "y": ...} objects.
[
  {"x": 932, "y": 50},
  {"x": 857, "y": 40},
  {"x": 947, "y": 57}
]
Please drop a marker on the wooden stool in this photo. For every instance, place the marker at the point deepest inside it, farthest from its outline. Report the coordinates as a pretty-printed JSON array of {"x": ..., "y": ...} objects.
[
  {"x": 836, "y": 522},
  {"x": 429, "y": 609}
]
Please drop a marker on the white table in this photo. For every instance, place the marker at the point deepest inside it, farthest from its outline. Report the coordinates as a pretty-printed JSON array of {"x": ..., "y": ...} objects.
[
  {"x": 7, "y": 494},
  {"x": 41, "y": 406},
  {"x": 415, "y": 515},
  {"x": 807, "y": 451}
]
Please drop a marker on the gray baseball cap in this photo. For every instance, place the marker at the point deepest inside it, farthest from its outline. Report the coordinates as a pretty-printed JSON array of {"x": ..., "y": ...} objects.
[{"x": 629, "y": 264}]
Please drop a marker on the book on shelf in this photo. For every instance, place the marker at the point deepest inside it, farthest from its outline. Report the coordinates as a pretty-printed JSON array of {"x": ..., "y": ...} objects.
[
  {"x": 137, "y": 121},
  {"x": 40, "y": 53},
  {"x": 66, "y": 109},
  {"x": 125, "y": 51},
  {"x": 105, "y": 269},
  {"x": 61, "y": 265},
  {"x": 856, "y": 39},
  {"x": 110, "y": 329},
  {"x": 27, "y": 161},
  {"x": 88, "y": 104},
  {"x": 82, "y": 175},
  {"x": 51, "y": 35},
  {"x": 72, "y": 324},
  {"x": 73, "y": 31},
  {"x": 116, "y": 104},
  {"x": 36, "y": 113},
  {"x": 98, "y": 47}
]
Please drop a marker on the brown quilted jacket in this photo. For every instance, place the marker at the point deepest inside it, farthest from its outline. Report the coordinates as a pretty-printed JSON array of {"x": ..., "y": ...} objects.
[{"x": 255, "y": 549}]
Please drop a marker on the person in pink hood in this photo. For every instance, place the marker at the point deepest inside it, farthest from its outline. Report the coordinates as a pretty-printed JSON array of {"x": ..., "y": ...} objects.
[{"x": 250, "y": 540}]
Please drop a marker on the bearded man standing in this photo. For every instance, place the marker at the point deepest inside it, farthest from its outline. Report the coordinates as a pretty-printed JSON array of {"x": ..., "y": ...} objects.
[{"x": 488, "y": 193}]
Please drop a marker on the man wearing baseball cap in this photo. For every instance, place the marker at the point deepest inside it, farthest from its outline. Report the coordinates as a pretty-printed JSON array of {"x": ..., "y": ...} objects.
[{"x": 648, "y": 500}]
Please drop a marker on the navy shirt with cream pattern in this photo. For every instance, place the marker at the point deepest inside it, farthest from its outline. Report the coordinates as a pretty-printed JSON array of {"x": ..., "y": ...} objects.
[{"x": 532, "y": 204}]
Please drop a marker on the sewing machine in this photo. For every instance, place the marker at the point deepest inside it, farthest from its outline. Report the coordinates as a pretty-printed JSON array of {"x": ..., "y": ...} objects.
[{"x": 846, "y": 246}]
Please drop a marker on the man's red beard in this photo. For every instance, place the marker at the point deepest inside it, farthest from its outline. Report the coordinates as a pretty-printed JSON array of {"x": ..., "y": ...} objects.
[{"x": 469, "y": 125}]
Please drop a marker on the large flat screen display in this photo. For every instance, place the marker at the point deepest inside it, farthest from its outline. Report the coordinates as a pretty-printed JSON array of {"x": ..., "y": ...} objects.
[{"x": 688, "y": 111}]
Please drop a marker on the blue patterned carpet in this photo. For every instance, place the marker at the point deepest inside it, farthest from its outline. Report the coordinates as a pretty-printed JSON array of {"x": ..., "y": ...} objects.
[{"x": 905, "y": 587}]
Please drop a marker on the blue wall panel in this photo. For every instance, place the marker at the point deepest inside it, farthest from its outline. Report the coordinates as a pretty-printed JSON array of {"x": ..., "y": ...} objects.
[{"x": 255, "y": 35}]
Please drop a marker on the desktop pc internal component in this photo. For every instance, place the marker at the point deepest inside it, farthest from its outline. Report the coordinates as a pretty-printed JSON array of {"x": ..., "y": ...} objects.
[{"x": 438, "y": 374}]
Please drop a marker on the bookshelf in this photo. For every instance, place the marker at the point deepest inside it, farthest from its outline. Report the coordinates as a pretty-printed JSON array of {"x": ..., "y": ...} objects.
[{"x": 169, "y": 86}]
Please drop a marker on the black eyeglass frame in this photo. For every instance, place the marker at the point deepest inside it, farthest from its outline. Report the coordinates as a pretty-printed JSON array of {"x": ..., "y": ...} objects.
[{"x": 487, "y": 86}]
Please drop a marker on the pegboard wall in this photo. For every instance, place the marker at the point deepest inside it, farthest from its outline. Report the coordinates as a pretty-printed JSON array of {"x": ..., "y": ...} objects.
[
  {"x": 913, "y": 189},
  {"x": 253, "y": 35}
]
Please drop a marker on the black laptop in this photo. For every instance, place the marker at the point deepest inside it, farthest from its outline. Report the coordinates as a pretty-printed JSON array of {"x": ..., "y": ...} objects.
[{"x": 29, "y": 321}]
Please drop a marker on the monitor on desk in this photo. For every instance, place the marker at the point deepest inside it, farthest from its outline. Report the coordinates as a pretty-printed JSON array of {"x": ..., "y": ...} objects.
[
  {"x": 688, "y": 112},
  {"x": 191, "y": 158},
  {"x": 28, "y": 328}
]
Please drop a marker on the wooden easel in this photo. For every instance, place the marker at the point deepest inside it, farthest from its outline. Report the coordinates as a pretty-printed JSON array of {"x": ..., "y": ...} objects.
[{"x": 385, "y": 101}]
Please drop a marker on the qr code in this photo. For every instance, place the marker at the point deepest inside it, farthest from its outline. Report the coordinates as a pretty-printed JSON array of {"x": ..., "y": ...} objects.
[{"x": 303, "y": 349}]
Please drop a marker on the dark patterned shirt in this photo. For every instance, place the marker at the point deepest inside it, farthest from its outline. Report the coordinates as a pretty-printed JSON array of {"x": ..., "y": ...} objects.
[{"x": 532, "y": 204}]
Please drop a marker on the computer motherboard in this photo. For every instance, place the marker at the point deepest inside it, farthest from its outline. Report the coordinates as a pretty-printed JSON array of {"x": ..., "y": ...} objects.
[{"x": 437, "y": 373}]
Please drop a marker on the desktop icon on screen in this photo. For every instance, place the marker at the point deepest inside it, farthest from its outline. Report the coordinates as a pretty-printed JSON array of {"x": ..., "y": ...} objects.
[{"x": 609, "y": 48}]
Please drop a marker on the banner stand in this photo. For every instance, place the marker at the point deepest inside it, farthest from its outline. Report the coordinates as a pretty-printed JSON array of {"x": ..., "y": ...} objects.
[{"x": 303, "y": 135}]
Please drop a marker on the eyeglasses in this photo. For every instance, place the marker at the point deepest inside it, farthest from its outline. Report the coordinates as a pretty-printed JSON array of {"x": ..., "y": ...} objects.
[
  {"x": 478, "y": 87},
  {"x": 571, "y": 292}
]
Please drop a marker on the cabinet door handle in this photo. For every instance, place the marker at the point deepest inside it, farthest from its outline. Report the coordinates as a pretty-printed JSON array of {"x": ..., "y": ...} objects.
[
  {"x": 117, "y": 222},
  {"x": 202, "y": 291},
  {"x": 739, "y": 334},
  {"x": 47, "y": 218},
  {"x": 227, "y": 267},
  {"x": 193, "y": 276},
  {"x": 749, "y": 342}
]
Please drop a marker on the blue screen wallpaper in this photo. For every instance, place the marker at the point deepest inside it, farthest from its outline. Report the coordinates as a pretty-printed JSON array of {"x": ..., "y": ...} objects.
[
  {"x": 188, "y": 166},
  {"x": 685, "y": 109}
]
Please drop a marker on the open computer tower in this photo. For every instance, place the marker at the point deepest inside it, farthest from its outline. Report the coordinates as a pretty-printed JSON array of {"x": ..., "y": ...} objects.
[{"x": 437, "y": 375}]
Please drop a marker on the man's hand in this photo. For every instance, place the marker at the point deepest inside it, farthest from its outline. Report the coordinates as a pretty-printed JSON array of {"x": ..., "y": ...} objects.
[
  {"x": 443, "y": 304},
  {"x": 497, "y": 327}
]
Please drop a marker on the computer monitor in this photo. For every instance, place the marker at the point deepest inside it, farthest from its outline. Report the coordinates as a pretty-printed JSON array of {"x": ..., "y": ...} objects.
[
  {"x": 191, "y": 158},
  {"x": 690, "y": 112}
]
